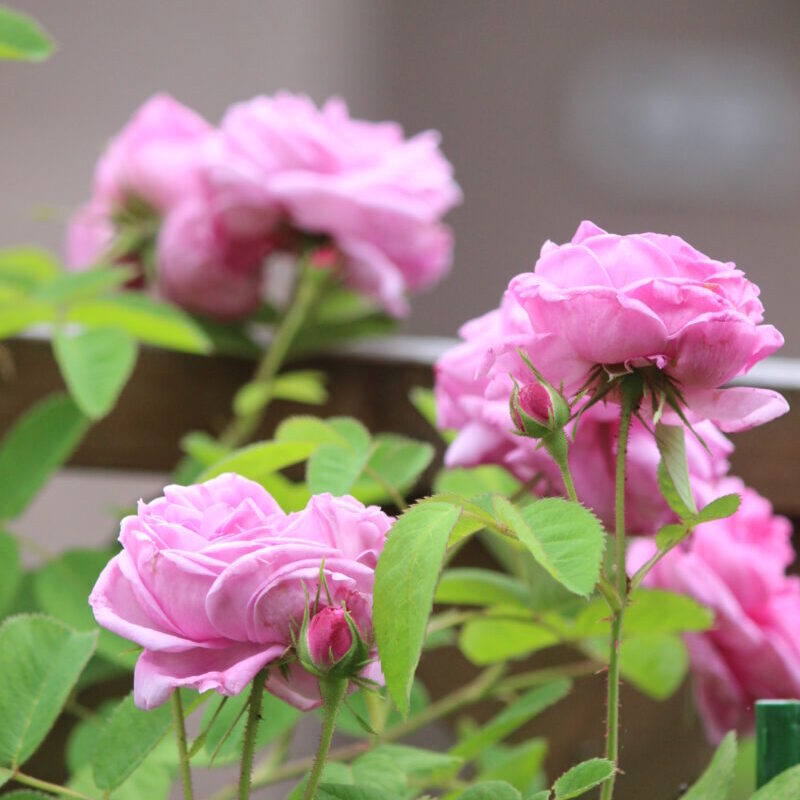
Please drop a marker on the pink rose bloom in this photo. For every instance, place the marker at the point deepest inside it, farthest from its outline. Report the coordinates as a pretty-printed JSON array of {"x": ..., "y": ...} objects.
[
  {"x": 281, "y": 163},
  {"x": 650, "y": 300},
  {"x": 150, "y": 191},
  {"x": 213, "y": 582},
  {"x": 737, "y": 568},
  {"x": 472, "y": 388}
]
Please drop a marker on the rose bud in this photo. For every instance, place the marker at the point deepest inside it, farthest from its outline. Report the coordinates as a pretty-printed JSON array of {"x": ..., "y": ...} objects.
[
  {"x": 332, "y": 643},
  {"x": 537, "y": 409}
]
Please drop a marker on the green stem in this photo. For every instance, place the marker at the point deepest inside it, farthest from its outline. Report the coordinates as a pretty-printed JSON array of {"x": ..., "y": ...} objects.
[
  {"x": 180, "y": 736},
  {"x": 54, "y": 788},
  {"x": 556, "y": 444},
  {"x": 332, "y": 691},
  {"x": 251, "y": 728},
  {"x": 612, "y": 728},
  {"x": 307, "y": 289}
]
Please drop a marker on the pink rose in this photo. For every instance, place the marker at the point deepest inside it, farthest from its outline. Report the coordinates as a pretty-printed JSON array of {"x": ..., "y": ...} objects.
[
  {"x": 472, "y": 388},
  {"x": 150, "y": 208},
  {"x": 155, "y": 158},
  {"x": 378, "y": 197},
  {"x": 649, "y": 300},
  {"x": 737, "y": 568},
  {"x": 213, "y": 582},
  {"x": 203, "y": 269}
]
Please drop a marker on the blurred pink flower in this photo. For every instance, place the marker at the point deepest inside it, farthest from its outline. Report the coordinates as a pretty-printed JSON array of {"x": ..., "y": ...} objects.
[
  {"x": 281, "y": 163},
  {"x": 149, "y": 193},
  {"x": 213, "y": 582},
  {"x": 203, "y": 269},
  {"x": 737, "y": 568}
]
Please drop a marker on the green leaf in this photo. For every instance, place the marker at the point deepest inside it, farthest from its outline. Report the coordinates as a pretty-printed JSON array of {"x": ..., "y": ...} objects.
[
  {"x": 656, "y": 664},
  {"x": 670, "y": 535},
  {"x": 334, "y": 772},
  {"x": 722, "y": 507},
  {"x": 26, "y": 794},
  {"x": 10, "y": 571},
  {"x": 22, "y": 38},
  {"x": 564, "y": 537},
  {"x": 379, "y": 770},
  {"x": 405, "y": 581},
  {"x": 488, "y": 640},
  {"x": 471, "y": 586},
  {"x": 781, "y": 787},
  {"x": 16, "y": 315},
  {"x": 40, "y": 661},
  {"x": 672, "y": 447},
  {"x": 302, "y": 428},
  {"x": 469, "y": 483},
  {"x": 96, "y": 365},
  {"x": 257, "y": 461},
  {"x": 203, "y": 448},
  {"x": 519, "y": 765},
  {"x": 715, "y": 782},
  {"x": 512, "y": 717},
  {"x": 343, "y": 791},
  {"x": 491, "y": 790},
  {"x": 37, "y": 444},
  {"x": 302, "y": 386},
  {"x": 423, "y": 400},
  {"x": 144, "y": 318},
  {"x": 152, "y": 780},
  {"x": 27, "y": 267},
  {"x": 68, "y": 287},
  {"x": 333, "y": 468},
  {"x": 418, "y": 762},
  {"x": 61, "y": 589},
  {"x": 394, "y": 461},
  {"x": 582, "y": 777},
  {"x": 127, "y": 738},
  {"x": 543, "y": 795},
  {"x": 650, "y": 611}
]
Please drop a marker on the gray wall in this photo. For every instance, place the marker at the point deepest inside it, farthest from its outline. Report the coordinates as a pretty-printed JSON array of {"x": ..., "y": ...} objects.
[{"x": 681, "y": 116}]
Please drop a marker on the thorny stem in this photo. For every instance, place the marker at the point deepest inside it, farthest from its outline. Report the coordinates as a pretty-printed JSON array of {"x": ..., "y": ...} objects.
[
  {"x": 180, "y": 737},
  {"x": 251, "y": 728},
  {"x": 612, "y": 726}
]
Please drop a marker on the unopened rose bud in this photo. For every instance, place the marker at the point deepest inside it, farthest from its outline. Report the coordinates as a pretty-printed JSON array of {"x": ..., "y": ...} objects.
[
  {"x": 329, "y": 637},
  {"x": 336, "y": 640},
  {"x": 538, "y": 409},
  {"x": 535, "y": 401}
]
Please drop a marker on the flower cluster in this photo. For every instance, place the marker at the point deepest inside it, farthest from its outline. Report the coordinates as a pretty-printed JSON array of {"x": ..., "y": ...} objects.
[
  {"x": 216, "y": 583},
  {"x": 197, "y": 209},
  {"x": 593, "y": 312}
]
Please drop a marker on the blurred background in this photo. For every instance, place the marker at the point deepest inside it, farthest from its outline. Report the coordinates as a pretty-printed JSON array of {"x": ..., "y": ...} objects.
[{"x": 681, "y": 117}]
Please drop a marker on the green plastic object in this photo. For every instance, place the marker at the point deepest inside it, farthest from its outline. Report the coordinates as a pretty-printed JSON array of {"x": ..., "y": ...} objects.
[{"x": 777, "y": 738}]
